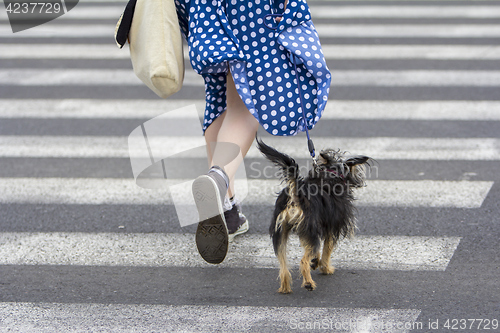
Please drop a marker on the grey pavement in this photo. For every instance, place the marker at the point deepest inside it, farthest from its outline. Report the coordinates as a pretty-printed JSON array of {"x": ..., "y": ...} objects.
[{"x": 84, "y": 249}]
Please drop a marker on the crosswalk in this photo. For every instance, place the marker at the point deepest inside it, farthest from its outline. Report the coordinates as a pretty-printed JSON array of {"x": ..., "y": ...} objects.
[
  {"x": 385, "y": 193},
  {"x": 326, "y": 30},
  {"x": 351, "y": 110},
  {"x": 151, "y": 318},
  {"x": 97, "y": 51},
  {"x": 104, "y": 249},
  {"x": 102, "y": 77},
  {"x": 39, "y": 133},
  {"x": 383, "y": 147}
]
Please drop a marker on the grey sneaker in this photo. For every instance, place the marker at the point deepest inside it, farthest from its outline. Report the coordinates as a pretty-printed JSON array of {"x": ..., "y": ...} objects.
[
  {"x": 236, "y": 222},
  {"x": 211, "y": 235}
]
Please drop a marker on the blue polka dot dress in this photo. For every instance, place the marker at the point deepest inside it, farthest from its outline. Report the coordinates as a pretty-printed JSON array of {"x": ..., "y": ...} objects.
[{"x": 272, "y": 63}]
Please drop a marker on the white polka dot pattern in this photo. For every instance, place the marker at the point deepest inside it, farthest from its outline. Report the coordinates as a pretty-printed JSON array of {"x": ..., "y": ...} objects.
[{"x": 236, "y": 34}]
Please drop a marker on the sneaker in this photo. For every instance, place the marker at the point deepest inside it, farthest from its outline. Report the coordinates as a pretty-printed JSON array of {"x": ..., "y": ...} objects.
[
  {"x": 236, "y": 222},
  {"x": 211, "y": 235}
]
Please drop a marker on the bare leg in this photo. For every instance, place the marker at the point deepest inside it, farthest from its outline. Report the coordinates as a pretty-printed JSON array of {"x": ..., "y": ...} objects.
[
  {"x": 228, "y": 140},
  {"x": 236, "y": 125}
]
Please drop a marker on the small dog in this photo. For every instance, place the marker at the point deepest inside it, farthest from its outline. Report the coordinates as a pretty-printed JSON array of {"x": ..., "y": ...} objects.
[{"x": 317, "y": 208}]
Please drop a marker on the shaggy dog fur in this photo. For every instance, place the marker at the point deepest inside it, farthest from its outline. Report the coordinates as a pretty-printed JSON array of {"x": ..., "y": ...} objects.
[{"x": 319, "y": 208}]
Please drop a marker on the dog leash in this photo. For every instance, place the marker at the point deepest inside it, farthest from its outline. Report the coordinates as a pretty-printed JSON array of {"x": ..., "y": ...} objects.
[
  {"x": 310, "y": 144},
  {"x": 293, "y": 57}
]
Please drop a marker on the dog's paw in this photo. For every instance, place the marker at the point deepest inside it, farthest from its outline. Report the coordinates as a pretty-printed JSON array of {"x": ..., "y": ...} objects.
[
  {"x": 309, "y": 285},
  {"x": 328, "y": 270},
  {"x": 285, "y": 290},
  {"x": 314, "y": 263}
]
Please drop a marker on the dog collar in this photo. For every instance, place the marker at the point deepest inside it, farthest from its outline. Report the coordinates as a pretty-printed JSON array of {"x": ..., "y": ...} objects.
[{"x": 336, "y": 173}]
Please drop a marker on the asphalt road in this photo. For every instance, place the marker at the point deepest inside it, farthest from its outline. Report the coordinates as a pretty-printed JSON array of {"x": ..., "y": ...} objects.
[{"x": 83, "y": 248}]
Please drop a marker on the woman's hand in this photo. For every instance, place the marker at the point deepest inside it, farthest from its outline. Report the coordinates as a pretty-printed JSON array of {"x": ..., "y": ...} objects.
[{"x": 278, "y": 19}]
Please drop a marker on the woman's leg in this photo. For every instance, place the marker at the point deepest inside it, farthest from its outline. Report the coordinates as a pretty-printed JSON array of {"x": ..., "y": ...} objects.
[
  {"x": 237, "y": 126},
  {"x": 228, "y": 140}
]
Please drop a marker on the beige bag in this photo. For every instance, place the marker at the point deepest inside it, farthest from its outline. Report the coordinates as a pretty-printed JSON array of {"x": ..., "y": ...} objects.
[{"x": 156, "y": 46}]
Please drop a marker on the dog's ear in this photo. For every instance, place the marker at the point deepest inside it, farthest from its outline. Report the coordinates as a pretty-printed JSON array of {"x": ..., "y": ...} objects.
[
  {"x": 357, "y": 170},
  {"x": 323, "y": 157},
  {"x": 356, "y": 160}
]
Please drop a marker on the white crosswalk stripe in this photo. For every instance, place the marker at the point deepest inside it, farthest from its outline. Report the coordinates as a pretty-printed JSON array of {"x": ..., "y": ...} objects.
[
  {"x": 417, "y": 193},
  {"x": 125, "y": 77},
  {"x": 50, "y": 317},
  {"x": 449, "y": 31},
  {"x": 404, "y": 12},
  {"x": 107, "y": 51},
  {"x": 146, "y": 109},
  {"x": 63, "y": 51},
  {"x": 439, "y": 52},
  {"x": 254, "y": 251},
  {"x": 486, "y": 149},
  {"x": 324, "y": 30},
  {"x": 327, "y": 12},
  {"x": 389, "y": 252}
]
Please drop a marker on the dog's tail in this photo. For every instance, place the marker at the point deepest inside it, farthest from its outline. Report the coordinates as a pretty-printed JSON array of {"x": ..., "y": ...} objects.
[
  {"x": 287, "y": 214},
  {"x": 287, "y": 165}
]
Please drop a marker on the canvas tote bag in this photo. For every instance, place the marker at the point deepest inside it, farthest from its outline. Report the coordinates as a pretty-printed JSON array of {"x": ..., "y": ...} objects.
[{"x": 155, "y": 44}]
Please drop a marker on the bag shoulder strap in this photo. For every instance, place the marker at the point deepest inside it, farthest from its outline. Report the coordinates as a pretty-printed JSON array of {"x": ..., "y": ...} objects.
[{"x": 124, "y": 24}]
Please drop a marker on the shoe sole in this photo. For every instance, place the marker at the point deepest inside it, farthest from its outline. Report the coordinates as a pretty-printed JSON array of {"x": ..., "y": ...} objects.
[
  {"x": 241, "y": 230},
  {"x": 211, "y": 235}
]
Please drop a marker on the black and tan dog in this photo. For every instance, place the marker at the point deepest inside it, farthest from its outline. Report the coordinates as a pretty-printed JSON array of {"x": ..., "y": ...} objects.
[{"x": 318, "y": 208}]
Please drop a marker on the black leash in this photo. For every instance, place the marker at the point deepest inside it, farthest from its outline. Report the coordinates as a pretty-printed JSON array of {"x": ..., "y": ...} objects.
[{"x": 310, "y": 143}]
